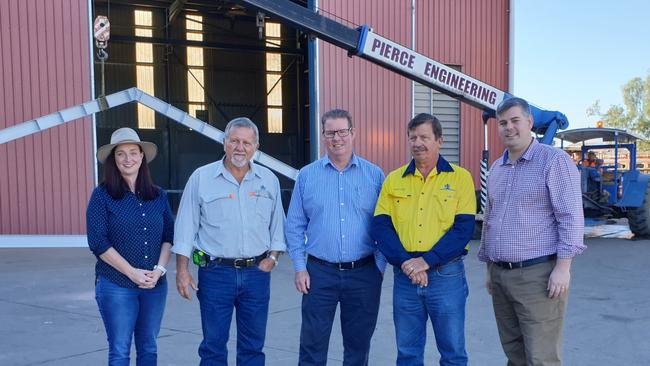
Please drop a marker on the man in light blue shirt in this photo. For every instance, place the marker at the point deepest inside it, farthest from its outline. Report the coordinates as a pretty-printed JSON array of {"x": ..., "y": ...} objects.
[
  {"x": 328, "y": 239},
  {"x": 231, "y": 221}
]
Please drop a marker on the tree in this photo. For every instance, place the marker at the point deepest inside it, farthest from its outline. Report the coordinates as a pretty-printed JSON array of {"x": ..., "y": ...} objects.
[{"x": 634, "y": 114}]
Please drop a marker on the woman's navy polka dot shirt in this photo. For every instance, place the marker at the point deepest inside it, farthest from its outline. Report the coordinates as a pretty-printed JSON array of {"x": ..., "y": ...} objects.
[{"x": 135, "y": 228}]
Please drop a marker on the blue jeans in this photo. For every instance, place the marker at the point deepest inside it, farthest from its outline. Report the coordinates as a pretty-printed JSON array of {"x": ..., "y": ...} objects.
[
  {"x": 443, "y": 301},
  {"x": 221, "y": 289},
  {"x": 358, "y": 291},
  {"x": 127, "y": 312}
]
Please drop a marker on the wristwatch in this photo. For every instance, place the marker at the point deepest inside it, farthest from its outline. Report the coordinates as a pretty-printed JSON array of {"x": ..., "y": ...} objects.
[
  {"x": 273, "y": 258},
  {"x": 162, "y": 269}
]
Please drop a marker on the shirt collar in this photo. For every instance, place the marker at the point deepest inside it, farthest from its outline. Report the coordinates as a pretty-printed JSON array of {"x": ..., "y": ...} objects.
[
  {"x": 527, "y": 155},
  {"x": 441, "y": 166},
  {"x": 353, "y": 161}
]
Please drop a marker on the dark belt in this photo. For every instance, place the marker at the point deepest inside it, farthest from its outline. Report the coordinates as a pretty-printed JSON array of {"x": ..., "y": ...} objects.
[
  {"x": 345, "y": 265},
  {"x": 528, "y": 263},
  {"x": 239, "y": 262}
]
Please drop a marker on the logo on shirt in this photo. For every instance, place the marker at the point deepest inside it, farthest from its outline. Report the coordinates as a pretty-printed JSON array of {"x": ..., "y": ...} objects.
[
  {"x": 447, "y": 187},
  {"x": 262, "y": 192}
]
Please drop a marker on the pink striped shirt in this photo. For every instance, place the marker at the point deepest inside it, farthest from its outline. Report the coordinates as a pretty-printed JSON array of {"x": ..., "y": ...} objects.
[{"x": 534, "y": 207}]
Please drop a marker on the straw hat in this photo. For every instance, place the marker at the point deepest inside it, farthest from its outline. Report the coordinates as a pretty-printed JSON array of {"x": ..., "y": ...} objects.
[{"x": 127, "y": 135}]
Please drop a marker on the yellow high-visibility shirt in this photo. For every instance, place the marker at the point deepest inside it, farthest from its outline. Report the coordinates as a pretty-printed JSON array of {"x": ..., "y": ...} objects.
[{"x": 423, "y": 210}]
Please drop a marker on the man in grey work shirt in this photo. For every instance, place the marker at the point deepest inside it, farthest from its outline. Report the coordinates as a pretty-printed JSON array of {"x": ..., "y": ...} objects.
[{"x": 230, "y": 221}]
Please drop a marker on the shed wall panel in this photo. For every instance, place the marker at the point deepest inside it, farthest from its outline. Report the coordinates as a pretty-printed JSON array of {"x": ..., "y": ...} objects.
[
  {"x": 44, "y": 67},
  {"x": 473, "y": 35},
  {"x": 379, "y": 100},
  {"x": 447, "y": 110}
]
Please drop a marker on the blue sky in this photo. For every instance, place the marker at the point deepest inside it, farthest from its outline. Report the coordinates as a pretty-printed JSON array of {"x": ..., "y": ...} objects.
[{"x": 570, "y": 53}]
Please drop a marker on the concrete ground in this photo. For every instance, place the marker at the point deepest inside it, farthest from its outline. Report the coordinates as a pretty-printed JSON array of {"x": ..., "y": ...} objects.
[{"x": 48, "y": 314}]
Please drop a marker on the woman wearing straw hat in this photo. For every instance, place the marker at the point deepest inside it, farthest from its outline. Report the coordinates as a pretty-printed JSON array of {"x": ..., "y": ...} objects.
[{"x": 130, "y": 231}]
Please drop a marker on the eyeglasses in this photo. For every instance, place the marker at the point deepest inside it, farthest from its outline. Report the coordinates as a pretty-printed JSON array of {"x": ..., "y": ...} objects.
[{"x": 342, "y": 133}]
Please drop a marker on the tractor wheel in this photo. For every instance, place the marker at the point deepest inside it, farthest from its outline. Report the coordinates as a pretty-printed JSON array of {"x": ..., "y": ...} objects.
[{"x": 639, "y": 218}]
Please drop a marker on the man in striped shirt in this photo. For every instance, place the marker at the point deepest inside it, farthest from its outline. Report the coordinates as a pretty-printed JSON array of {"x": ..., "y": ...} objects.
[
  {"x": 335, "y": 260},
  {"x": 532, "y": 229}
]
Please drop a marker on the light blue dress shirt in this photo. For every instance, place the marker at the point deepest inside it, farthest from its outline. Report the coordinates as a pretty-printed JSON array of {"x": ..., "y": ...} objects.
[
  {"x": 226, "y": 219},
  {"x": 330, "y": 213}
]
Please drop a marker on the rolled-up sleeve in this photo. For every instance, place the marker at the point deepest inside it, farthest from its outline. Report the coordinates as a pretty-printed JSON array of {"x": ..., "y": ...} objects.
[
  {"x": 296, "y": 226},
  {"x": 187, "y": 218},
  {"x": 277, "y": 222},
  {"x": 563, "y": 182},
  {"x": 97, "y": 223}
]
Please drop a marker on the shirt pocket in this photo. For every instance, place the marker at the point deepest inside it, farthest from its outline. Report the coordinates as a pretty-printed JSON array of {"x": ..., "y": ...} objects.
[
  {"x": 446, "y": 205},
  {"x": 403, "y": 206},
  {"x": 263, "y": 205},
  {"x": 218, "y": 207},
  {"x": 366, "y": 199}
]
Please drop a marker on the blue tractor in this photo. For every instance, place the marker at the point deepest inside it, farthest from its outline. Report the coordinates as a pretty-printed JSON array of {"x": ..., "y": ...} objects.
[{"x": 615, "y": 187}]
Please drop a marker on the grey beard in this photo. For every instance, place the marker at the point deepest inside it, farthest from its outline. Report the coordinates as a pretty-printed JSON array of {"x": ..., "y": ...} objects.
[{"x": 237, "y": 163}]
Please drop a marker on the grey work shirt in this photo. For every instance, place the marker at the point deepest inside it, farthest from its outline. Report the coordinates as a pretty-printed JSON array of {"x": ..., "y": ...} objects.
[{"x": 226, "y": 219}]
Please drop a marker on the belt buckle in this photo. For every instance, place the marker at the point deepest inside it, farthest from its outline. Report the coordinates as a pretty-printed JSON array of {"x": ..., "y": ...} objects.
[
  {"x": 236, "y": 263},
  {"x": 341, "y": 266}
]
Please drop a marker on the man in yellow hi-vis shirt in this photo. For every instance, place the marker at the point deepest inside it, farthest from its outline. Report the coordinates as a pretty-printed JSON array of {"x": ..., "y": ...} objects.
[{"x": 423, "y": 221}]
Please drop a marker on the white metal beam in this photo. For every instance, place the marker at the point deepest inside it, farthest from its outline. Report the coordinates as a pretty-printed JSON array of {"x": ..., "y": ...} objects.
[{"x": 128, "y": 96}]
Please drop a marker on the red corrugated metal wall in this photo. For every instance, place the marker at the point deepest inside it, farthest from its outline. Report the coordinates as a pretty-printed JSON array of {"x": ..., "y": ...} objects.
[
  {"x": 379, "y": 100},
  {"x": 472, "y": 34},
  {"x": 45, "y": 178}
]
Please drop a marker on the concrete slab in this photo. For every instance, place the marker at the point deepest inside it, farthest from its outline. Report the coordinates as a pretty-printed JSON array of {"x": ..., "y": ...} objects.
[{"x": 48, "y": 314}]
